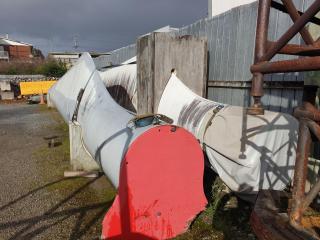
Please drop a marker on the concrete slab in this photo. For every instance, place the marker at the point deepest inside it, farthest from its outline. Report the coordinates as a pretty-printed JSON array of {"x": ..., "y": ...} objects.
[
  {"x": 80, "y": 159},
  {"x": 5, "y": 86},
  {"x": 6, "y": 95}
]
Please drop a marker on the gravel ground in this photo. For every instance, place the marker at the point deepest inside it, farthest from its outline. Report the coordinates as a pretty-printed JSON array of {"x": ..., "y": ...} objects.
[{"x": 36, "y": 202}]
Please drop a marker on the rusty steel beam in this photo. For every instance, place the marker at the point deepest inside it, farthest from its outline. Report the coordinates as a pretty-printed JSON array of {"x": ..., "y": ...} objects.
[
  {"x": 281, "y": 8},
  {"x": 309, "y": 97},
  {"x": 311, "y": 196},
  {"x": 315, "y": 129},
  {"x": 265, "y": 51},
  {"x": 262, "y": 29},
  {"x": 256, "y": 93},
  {"x": 292, "y": 31},
  {"x": 300, "y": 173},
  {"x": 260, "y": 50},
  {"x": 294, "y": 15},
  {"x": 307, "y": 114},
  {"x": 247, "y": 84},
  {"x": 317, "y": 42},
  {"x": 302, "y": 113},
  {"x": 298, "y": 50},
  {"x": 295, "y": 65},
  {"x": 269, "y": 221}
]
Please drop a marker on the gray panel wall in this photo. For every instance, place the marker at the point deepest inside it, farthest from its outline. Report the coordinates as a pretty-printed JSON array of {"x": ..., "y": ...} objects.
[
  {"x": 231, "y": 41},
  {"x": 117, "y": 56}
]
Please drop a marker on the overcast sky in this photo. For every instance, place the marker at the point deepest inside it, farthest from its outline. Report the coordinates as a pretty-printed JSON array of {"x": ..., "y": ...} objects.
[{"x": 99, "y": 25}]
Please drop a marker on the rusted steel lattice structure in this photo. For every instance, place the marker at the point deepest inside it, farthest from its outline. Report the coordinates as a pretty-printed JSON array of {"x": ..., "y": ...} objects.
[
  {"x": 267, "y": 220},
  {"x": 265, "y": 50}
]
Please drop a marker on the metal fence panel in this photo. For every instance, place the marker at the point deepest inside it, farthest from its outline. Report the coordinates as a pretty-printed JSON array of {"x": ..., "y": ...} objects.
[{"x": 231, "y": 41}]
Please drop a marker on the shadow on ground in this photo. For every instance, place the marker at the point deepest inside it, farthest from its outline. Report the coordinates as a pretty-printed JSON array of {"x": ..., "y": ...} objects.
[
  {"x": 36, "y": 225},
  {"x": 36, "y": 202},
  {"x": 84, "y": 217}
]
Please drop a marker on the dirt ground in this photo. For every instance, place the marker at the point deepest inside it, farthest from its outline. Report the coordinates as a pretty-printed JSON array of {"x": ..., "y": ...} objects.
[{"x": 36, "y": 202}]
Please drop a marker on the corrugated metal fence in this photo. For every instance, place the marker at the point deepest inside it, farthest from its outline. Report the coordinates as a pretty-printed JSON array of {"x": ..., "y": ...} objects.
[
  {"x": 117, "y": 56},
  {"x": 231, "y": 40}
]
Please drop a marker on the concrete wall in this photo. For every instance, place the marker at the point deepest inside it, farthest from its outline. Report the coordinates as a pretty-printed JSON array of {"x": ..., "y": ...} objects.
[
  {"x": 5, "y": 86},
  {"x": 157, "y": 55},
  {"x": 80, "y": 159},
  {"x": 6, "y": 95}
]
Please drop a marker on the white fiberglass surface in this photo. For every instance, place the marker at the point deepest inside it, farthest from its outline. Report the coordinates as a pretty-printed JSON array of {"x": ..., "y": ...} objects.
[
  {"x": 248, "y": 152},
  {"x": 103, "y": 122}
]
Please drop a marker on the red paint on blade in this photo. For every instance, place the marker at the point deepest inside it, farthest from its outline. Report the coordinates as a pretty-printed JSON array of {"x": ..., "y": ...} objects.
[{"x": 160, "y": 188}]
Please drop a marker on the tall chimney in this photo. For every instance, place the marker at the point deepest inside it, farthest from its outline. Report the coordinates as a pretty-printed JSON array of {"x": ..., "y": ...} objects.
[{"x": 7, "y": 36}]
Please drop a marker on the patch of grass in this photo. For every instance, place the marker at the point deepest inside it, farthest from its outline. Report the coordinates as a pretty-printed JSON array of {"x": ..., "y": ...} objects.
[
  {"x": 49, "y": 68},
  {"x": 60, "y": 125},
  {"x": 226, "y": 217},
  {"x": 44, "y": 108},
  {"x": 202, "y": 228},
  {"x": 52, "y": 163}
]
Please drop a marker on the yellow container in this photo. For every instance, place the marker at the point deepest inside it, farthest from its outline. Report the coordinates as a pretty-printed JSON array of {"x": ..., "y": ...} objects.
[{"x": 38, "y": 87}]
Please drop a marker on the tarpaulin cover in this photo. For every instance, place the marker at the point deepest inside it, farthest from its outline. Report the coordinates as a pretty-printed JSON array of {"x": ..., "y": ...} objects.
[{"x": 248, "y": 152}]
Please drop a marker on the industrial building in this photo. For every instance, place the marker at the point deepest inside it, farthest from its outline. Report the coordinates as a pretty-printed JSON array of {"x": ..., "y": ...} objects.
[
  {"x": 71, "y": 58},
  {"x": 14, "y": 50}
]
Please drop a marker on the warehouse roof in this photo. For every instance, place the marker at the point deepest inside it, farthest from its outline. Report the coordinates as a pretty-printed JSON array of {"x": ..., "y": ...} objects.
[{"x": 9, "y": 42}]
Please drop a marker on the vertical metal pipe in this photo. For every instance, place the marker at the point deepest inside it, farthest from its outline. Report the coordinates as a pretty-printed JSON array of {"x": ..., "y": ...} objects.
[
  {"x": 257, "y": 89},
  {"x": 311, "y": 195},
  {"x": 300, "y": 173},
  {"x": 262, "y": 29},
  {"x": 302, "y": 157},
  {"x": 260, "y": 50}
]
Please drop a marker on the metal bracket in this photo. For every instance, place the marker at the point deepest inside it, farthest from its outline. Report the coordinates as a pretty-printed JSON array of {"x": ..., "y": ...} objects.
[
  {"x": 75, "y": 113},
  {"x": 208, "y": 120},
  {"x": 149, "y": 119}
]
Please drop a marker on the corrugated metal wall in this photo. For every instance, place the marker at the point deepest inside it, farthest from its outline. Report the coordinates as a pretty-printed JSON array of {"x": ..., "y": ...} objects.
[
  {"x": 231, "y": 41},
  {"x": 117, "y": 56}
]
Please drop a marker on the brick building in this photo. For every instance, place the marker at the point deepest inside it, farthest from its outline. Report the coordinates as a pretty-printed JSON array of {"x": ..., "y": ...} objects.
[{"x": 14, "y": 50}]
